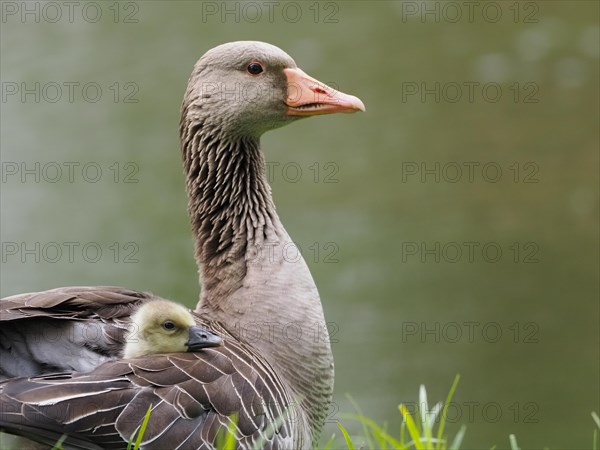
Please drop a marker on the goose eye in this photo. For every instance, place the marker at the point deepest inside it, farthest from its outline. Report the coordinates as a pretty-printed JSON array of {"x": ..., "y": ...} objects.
[
  {"x": 168, "y": 325},
  {"x": 254, "y": 68}
]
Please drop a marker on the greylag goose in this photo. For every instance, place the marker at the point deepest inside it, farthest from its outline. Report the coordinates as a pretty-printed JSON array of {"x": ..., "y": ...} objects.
[
  {"x": 161, "y": 326},
  {"x": 275, "y": 369}
]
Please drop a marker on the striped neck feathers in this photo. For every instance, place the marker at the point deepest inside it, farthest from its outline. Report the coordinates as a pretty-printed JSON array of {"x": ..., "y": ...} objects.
[{"x": 229, "y": 202}]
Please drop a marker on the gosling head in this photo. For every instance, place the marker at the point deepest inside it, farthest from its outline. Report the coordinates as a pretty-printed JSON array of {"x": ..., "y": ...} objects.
[{"x": 161, "y": 326}]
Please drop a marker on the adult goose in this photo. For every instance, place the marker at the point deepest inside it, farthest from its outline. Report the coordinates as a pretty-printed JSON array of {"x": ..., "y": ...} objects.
[{"x": 275, "y": 369}]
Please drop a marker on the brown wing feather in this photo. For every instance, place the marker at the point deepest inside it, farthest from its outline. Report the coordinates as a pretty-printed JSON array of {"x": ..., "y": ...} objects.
[
  {"x": 75, "y": 302},
  {"x": 193, "y": 396},
  {"x": 72, "y": 328}
]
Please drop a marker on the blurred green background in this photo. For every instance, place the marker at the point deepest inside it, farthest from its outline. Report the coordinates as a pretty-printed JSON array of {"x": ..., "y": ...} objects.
[{"x": 403, "y": 317}]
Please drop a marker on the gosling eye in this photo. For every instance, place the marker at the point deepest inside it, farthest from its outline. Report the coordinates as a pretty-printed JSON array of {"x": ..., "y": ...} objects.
[
  {"x": 168, "y": 325},
  {"x": 254, "y": 68}
]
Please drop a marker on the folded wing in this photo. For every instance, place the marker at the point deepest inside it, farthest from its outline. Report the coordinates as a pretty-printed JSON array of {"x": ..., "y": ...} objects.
[
  {"x": 192, "y": 395},
  {"x": 73, "y": 328}
]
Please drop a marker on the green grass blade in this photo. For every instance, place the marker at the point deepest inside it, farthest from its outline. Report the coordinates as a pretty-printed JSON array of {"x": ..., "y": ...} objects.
[
  {"x": 440, "y": 434},
  {"x": 423, "y": 407},
  {"x": 513, "y": 442},
  {"x": 403, "y": 433},
  {"x": 427, "y": 427},
  {"x": 346, "y": 437},
  {"x": 365, "y": 428},
  {"x": 384, "y": 439},
  {"x": 330, "y": 442},
  {"x": 595, "y": 434},
  {"x": 457, "y": 441},
  {"x": 226, "y": 437},
  {"x": 434, "y": 413},
  {"x": 412, "y": 428},
  {"x": 379, "y": 434},
  {"x": 142, "y": 430},
  {"x": 230, "y": 440},
  {"x": 59, "y": 443}
]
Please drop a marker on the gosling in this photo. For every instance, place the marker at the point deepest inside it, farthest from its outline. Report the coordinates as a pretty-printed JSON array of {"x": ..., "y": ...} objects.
[{"x": 161, "y": 326}]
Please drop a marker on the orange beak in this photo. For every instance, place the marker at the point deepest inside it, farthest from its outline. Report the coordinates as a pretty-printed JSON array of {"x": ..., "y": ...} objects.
[{"x": 309, "y": 97}]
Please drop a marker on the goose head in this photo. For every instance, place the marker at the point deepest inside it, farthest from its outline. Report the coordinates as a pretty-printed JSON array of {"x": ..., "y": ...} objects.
[
  {"x": 249, "y": 87},
  {"x": 162, "y": 326}
]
